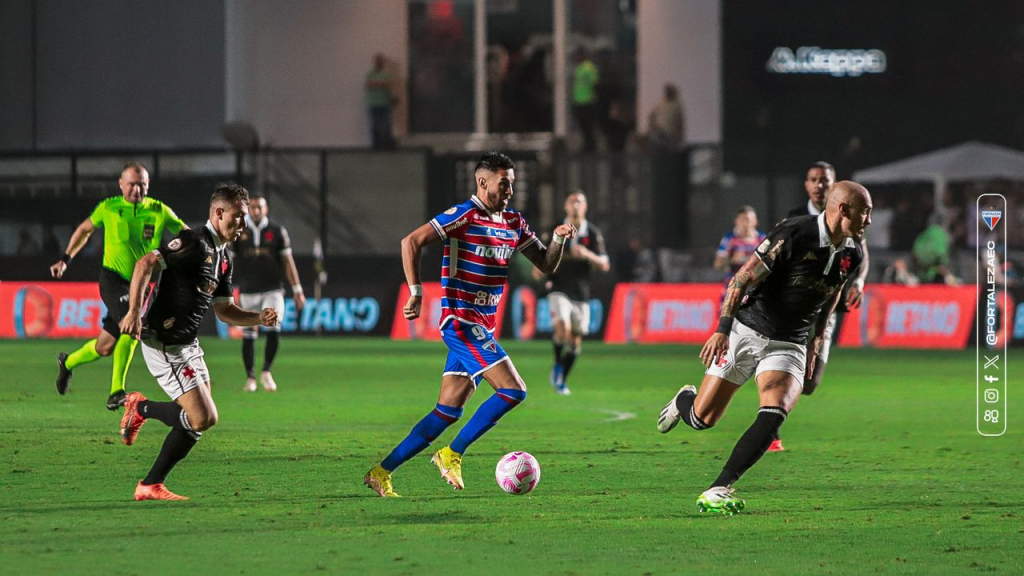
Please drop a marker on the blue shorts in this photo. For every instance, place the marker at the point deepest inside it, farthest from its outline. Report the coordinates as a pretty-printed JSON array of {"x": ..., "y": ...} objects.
[{"x": 471, "y": 350}]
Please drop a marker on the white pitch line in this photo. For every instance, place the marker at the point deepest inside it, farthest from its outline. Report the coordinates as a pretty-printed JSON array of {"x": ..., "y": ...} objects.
[{"x": 616, "y": 415}]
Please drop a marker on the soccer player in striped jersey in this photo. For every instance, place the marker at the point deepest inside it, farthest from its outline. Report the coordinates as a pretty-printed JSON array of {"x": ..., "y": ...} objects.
[
  {"x": 737, "y": 246},
  {"x": 481, "y": 236}
]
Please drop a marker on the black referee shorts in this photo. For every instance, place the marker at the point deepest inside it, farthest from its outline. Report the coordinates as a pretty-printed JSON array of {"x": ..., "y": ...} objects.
[{"x": 114, "y": 291}]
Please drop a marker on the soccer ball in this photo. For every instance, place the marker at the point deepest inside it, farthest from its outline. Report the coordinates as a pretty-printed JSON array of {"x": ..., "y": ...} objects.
[{"x": 517, "y": 473}]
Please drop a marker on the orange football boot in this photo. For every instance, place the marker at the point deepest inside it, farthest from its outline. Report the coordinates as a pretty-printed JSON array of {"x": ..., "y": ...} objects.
[
  {"x": 155, "y": 492},
  {"x": 132, "y": 421},
  {"x": 776, "y": 446}
]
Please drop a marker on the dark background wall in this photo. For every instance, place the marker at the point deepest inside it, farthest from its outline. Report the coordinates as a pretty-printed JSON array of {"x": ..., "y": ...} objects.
[
  {"x": 116, "y": 73},
  {"x": 954, "y": 70}
]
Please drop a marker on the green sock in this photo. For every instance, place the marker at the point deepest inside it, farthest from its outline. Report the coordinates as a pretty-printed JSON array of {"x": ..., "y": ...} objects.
[
  {"x": 124, "y": 350},
  {"x": 87, "y": 353}
]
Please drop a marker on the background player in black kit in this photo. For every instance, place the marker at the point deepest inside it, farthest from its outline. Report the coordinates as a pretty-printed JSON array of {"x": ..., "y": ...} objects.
[
  {"x": 569, "y": 289},
  {"x": 196, "y": 273},
  {"x": 820, "y": 178},
  {"x": 797, "y": 271},
  {"x": 263, "y": 259}
]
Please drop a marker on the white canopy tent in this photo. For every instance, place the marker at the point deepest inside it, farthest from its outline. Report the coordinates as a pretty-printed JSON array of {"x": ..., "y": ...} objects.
[{"x": 970, "y": 161}]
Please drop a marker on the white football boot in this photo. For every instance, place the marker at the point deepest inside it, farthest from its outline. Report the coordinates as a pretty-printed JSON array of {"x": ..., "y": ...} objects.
[
  {"x": 670, "y": 414},
  {"x": 268, "y": 382}
]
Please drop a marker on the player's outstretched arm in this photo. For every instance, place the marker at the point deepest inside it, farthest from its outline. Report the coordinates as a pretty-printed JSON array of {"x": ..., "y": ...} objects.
[
  {"x": 78, "y": 239},
  {"x": 547, "y": 258},
  {"x": 131, "y": 324},
  {"x": 750, "y": 275},
  {"x": 229, "y": 313},
  {"x": 412, "y": 247}
]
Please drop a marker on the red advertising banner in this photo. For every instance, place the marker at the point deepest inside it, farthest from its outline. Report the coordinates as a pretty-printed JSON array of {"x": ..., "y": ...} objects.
[
  {"x": 653, "y": 313},
  {"x": 425, "y": 327},
  {"x": 50, "y": 309},
  {"x": 895, "y": 316}
]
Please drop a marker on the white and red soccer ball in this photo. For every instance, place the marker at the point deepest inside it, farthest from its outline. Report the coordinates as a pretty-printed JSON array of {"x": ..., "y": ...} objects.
[{"x": 517, "y": 473}]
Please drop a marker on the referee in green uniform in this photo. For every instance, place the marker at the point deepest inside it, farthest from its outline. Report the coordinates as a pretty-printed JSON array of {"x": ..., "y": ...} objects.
[{"x": 132, "y": 226}]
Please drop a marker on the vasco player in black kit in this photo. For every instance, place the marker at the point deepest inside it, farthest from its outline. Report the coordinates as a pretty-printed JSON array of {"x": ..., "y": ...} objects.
[
  {"x": 569, "y": 290},
  {"x": 794, "y": 280},
  {"x": 263, "y": 258},
  {"x": 196, "y": 273}
]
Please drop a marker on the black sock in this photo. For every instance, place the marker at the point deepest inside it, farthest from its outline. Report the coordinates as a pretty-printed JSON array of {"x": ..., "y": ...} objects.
[
  {"x": 752, "y": 445},
  {"x": 568, "y": 359},
  {"x": 819, "y": 371},
  {"x": 176, "y": 446},
  {"x": 273, "y": 338},
  {"x": 170, "y": 413},
  {"x": 684, "y": 403},
  {"x": 558, "y": 351},
  {"x": 249, "y": 355}
]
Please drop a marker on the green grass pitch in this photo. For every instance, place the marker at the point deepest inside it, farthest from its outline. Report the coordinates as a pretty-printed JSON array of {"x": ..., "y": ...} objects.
[{"x": 883, "y": 473}]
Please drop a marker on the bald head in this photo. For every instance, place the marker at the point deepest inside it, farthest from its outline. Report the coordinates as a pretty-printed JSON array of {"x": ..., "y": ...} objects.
[
  {"x": 847, "y": 192},
  {"x": 848, "y": 209}
]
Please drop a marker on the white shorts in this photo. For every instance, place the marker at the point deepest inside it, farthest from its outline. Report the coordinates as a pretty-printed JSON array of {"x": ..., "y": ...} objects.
[
  {"x": 178, "y": 368},
  {"x": 258, "y": 301},
  {"x": 751, "y": 353},
  {"x": 575, "y": 313}
]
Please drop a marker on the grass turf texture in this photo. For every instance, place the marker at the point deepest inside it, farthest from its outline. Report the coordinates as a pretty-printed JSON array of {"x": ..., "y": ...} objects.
[{"x": 883, "y": 471}]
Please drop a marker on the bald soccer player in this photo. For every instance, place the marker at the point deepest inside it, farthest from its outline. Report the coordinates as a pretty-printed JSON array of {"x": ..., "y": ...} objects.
[
  {"x": 820, "y": 178},
  {"x": 795, "y": 275}
]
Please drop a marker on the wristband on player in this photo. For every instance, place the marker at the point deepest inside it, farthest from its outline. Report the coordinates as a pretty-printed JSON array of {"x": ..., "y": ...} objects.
[
  {"x": 859, "y": 283},
  {"x": 416, "y": 290},
  {"x": 558, "y": 239},
  {"x": 296, "y": 288},
  {"x": 65, "y": 258},
  {"x": 724, "y": 325}
]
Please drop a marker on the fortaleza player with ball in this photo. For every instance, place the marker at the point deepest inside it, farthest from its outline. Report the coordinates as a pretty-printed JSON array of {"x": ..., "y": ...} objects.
[{"x": 481, "y": 236}]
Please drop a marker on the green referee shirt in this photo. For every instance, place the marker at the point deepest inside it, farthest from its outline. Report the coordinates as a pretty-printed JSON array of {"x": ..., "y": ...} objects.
[{"x": 131, "y": 230}]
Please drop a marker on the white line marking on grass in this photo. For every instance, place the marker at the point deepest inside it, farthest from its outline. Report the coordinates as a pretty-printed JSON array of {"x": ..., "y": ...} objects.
[{"x": 616, "y": 415}]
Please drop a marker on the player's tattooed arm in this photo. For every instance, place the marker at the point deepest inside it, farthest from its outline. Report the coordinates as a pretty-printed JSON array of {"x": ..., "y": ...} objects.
[
  {"x": 751, "y": 274},
  {"x": 412, "y": 247},
  {"x": 856, "y": 292},
  {"x": 131, "y": 324},
  {"x": 547, "y": 258},
  {"x": 821, "y": 322}
]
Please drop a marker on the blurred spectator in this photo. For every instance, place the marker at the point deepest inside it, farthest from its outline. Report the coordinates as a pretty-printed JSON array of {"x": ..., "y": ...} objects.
[
  {"x": 932, "y": 253},
  {"x": 584, "y": 97},
  {"x": 26, "y": 244},
  {"x": 665, "y": 122},
  {"x": 899, "y": 273},
  {"x": 379, "y": 100}
]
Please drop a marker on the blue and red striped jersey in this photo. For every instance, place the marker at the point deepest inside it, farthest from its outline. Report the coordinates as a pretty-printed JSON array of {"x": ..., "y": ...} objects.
[
  {"x": 738, "y": 249},
  {"x": 478, "y": 248}
]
